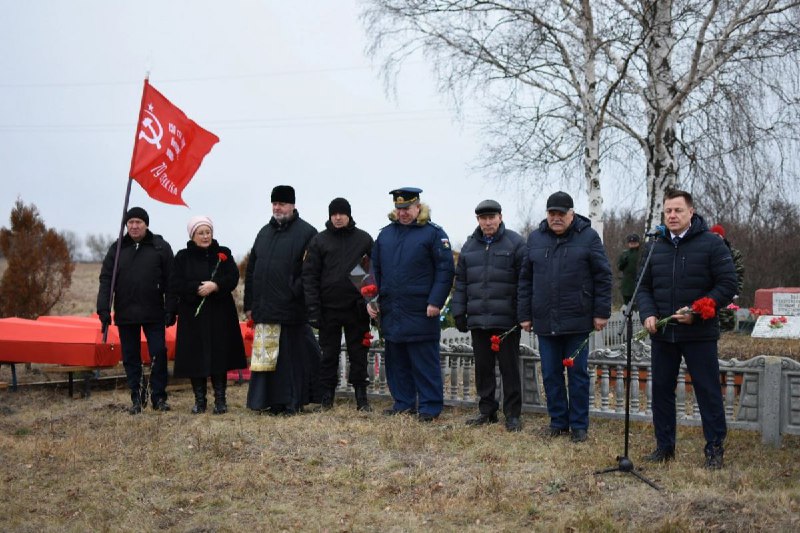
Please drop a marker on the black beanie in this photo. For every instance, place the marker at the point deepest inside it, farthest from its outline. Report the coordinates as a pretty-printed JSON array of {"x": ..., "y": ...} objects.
[
  {"x": 339, "y": 205},
  {"x": 137, "y": 212},
  {"x": 283, "y": 193}
]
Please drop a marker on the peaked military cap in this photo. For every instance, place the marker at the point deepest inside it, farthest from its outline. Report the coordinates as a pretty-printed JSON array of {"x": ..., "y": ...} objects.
[{"x": 405, "y": 196}]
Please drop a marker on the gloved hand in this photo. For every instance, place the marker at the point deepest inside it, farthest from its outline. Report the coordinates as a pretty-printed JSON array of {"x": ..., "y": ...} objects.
[
  {"x": 105, "y": 318},
  {"x": 461, "y": 323},
  {"x": 169, "y": 319}
]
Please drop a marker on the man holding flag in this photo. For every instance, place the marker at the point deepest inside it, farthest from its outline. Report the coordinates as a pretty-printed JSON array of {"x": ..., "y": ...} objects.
[{"x": 142, "y": 271}]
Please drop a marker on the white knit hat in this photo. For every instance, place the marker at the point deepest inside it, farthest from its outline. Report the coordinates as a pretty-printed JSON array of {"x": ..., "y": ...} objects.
[{"x": 196, "y": 222}]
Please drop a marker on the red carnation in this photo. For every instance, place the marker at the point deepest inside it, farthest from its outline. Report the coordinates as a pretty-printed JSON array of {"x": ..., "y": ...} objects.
[
  {"x": 369, "y": 291},
  {"x": 495, "y": 347},
  {"x": 569, "y": 362},
  {"x": 367, "y": 340},
  {"x": 705, "y": 307},
  {"x": 222, "y": 257},
  {"x": 494, "y": 339}
]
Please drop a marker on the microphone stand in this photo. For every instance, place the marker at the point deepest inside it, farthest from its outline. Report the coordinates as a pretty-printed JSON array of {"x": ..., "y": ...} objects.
[{"x": 624, "y": 464}]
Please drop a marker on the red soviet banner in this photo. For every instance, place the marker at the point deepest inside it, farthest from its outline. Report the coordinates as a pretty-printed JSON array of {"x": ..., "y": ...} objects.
[{"x": 169, "y": 148}]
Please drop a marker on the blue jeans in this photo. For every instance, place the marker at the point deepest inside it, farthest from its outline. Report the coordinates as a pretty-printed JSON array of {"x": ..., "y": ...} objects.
[
  {"x": 566, "y": 411},
  {"x": 130, "y": 340},
  {"x": 703, "y": 366},
  {"x": 413, "y": 372}
]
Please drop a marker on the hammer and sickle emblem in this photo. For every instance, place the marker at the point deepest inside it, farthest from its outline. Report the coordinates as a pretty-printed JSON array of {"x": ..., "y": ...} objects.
[{"x": 149, "y": 123}]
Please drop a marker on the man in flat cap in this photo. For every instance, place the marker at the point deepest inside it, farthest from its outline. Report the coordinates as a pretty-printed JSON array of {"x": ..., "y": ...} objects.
[
  {"x": 335, "y": 304},
  {"x": 145, "y": 260},
  {"x": 485, "y": 303},
  {"x": 565, "y": 295},
  {"x": 413, "y": 266},
  {"x": 273, "y": 294},
  {"x": 628, "y": 264}
]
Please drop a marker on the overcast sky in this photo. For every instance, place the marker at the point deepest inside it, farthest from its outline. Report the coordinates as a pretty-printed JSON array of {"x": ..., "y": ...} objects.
[{"x": 284, "y": 84}]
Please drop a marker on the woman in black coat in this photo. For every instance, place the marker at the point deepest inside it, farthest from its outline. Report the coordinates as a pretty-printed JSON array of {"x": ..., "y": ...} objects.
[{"x": 209, "y": 340}]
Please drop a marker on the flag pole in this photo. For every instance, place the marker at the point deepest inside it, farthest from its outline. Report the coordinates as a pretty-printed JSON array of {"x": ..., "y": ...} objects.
[{"x": 125, "y": 204}]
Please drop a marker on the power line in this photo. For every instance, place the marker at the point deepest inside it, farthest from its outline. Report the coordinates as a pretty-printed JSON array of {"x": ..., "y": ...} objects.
[{"x": 299, "y": 72}]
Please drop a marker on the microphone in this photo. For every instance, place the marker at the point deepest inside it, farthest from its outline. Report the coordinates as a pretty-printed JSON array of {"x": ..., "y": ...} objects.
[{"x": 658, "y": 231}]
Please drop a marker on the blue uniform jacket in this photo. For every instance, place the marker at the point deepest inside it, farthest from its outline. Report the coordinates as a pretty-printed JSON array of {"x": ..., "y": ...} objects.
[{"x": 413, "y": 267}]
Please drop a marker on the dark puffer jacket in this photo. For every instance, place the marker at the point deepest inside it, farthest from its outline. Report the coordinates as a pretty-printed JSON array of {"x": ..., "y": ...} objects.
[
  {"x": 141, "y": 282},
  {"x": 273, "y": 285},
  {"x": 413, "y": 267},
  {"x": 486, "y": 279},
  {"x": 565, "y": 281},
  {"x": 211, "y": 342},
  {"x": 676, "y": 276},
  {"x": 332, "y": 255}
]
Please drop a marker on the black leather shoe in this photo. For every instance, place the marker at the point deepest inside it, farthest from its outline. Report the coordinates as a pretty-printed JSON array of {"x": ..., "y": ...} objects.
[
  {"x": 714, "y": 457},
  {"x": 660, "y": 455},
  {"x": 555, "y": 432},
  {"x": 482, "y": 419},
  {"x": 393, "y": 412},
  {"x": 161, "y": 405},
  {"x": 578, "y": 435},
  {"x": 513, "y": 424},
  {"x": 426, "y": 417}
]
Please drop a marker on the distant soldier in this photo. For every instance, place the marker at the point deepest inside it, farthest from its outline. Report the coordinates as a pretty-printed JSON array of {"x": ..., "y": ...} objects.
[
  {"x": 727, "y": 317},
  {"x": 627, "y": 264}
]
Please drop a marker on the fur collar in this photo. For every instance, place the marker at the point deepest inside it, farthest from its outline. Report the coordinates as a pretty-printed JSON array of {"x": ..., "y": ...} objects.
[{"x": 423, "y": 218}]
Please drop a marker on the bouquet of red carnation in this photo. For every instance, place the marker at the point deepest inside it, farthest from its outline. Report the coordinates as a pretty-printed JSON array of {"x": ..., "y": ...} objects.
[
  {"x": 220, "y": 258},
  {"x": 777, "y": 322},
  {"x": 367, "y": 340},
  {"x": 705, "y": 307},
  {"x": 495, "y": 340}
]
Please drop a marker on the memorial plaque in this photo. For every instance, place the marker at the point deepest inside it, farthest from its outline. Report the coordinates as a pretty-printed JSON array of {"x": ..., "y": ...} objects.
[
  {"x": 785, "y": 303},
  {"x": 788, "y": 330}
]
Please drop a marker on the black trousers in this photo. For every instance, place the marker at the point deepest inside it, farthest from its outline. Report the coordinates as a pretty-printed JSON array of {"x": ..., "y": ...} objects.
[
  {"x": 703, "y": 366},
  {"x": 355, "y": 324},
  {"x": 485, "y": 380}
]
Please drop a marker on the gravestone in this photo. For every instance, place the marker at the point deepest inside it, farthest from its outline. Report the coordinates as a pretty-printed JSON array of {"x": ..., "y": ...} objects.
[{"x": 779, "y": 300}]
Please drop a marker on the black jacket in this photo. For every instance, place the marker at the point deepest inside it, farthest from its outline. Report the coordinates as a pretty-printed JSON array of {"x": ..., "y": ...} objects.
[
  {"x": 565, "y": 281},
  {"x": 700, "y": 265},
  {"x": 332, "y": 255},
  {"x": 141, "y": 281},
  {"x": 273, "y": 285},
  {"x": 211, "y": 342},
  {"x": 486, "y": 279}
]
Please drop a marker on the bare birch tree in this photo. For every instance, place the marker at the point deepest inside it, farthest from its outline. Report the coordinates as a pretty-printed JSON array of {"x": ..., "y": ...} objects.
[
  {"x": 569, "y": 81},
  {"x": 699, "y": 58},
  {"x": 548, "y": 70}
]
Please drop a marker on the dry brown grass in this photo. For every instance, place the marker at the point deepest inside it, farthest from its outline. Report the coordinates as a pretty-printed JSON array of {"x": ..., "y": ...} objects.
[
  {"x": 87, "y": 465},
  {"x": 80, "y": 465}
]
